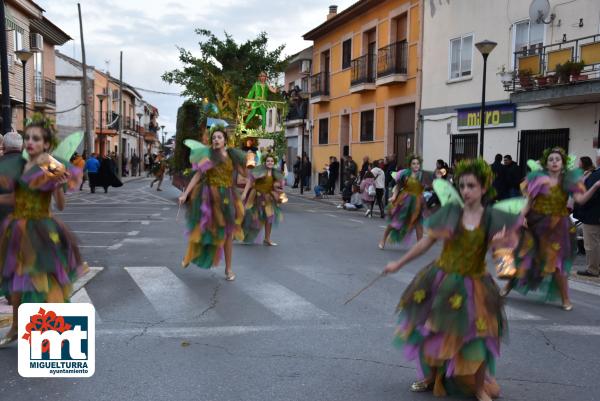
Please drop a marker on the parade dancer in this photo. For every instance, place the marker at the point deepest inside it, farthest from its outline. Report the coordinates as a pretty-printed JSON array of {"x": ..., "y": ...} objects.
[
  {"x": 215, "y": 211},
  {"x": 159, "y": 170},
  {"x": 39, "y": 256},
  {"x": 548, "y": 244},
  {"x": 451, "y": 317},
  {"x": 259, "y": 93},
  {"x": 407, "y": 204},
  {"x": 261, "y": 200}
]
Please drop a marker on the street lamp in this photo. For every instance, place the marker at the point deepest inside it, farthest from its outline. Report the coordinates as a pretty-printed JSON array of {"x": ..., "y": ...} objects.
[
  {"x": 24, "y": 56},
  {"x": 101, "y": 97},
  {"x": 485, "y": 48},
  {"x": 163, "y": 140},
  {"x": 140, "y": 142},
  {"x": 162, "y": 127}
]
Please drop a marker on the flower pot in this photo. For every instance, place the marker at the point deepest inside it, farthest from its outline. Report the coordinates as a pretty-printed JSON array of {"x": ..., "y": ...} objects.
[
  {"x": 525, "y": 81},
  {"x": 541, "y": 81}
]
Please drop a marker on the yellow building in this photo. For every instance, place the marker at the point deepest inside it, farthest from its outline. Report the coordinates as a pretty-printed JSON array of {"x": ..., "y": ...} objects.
[{"x": 365, "y": 81}]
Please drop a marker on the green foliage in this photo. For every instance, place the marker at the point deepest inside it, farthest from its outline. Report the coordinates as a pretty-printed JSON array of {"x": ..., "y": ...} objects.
[
  {"x": 191, "y": 123},
  {"x": 225, "y": 69}
]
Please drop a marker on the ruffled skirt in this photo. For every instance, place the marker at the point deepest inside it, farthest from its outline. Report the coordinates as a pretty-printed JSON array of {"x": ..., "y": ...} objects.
[
  {"x": 404, "y": 214},
  {"x": 452, "y": 324},
  {"x": 549, "y": 244},
  {"x": 260, "y": 209},
  {"x": 214, "y": 214},
  {"x": 39, "y": 259}
]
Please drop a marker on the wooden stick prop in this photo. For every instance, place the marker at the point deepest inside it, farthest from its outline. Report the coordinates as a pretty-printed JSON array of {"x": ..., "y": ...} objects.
[{"x": 365, "y": 288}]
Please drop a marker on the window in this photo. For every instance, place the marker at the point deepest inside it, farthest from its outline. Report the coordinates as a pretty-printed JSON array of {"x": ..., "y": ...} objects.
[
  {"x": 38, "y": 76},
  {"x": 18, "y": 40},
  {"x": 367, "y": 121},
  {"x": 528, "y": 37},
  {"x": 461, "y": 54},
  {"x": 323, "y": 131},
  {"x": 346, "y": 53}
]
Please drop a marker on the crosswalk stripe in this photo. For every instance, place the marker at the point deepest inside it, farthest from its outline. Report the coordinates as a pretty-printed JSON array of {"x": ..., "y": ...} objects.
[
  {"x": 171, "y": 298},
  {"x": 82, "y": 297},
  {"x": 278, "y": 299}
]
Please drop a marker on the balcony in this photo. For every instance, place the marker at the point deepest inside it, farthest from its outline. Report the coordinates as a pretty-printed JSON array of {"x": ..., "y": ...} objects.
[
  {"x": 44, "y": 92},
  {"x": 392, "y": 63},
  {"x": 297, "y": 113},
  {"x": 363, "y": 73},
  {"x": 319, "y": 84},
  {"x": 566, "y": 72}
]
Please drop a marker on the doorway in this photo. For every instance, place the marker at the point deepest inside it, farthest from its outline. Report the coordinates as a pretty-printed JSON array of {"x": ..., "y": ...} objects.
[
  {"x": 532, "y": 143},
  {"x": 404, "y": 133}
]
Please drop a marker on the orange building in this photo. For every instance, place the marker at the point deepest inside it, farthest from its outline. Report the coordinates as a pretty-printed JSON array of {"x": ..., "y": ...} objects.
[{"x": 365, "y": 81}]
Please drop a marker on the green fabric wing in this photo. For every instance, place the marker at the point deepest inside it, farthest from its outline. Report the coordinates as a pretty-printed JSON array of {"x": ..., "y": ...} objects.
[
  {"x": 447, "y": 193},
  {"x": 198, "y": 151},
  {"x": 64, "y": 151},
  {"x": 511, "y": 206},
  {"x": 534, "y": 165}
]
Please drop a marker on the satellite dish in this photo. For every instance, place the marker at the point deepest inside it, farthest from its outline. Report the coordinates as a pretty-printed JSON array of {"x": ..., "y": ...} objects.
[{"x": 539, "y": 11}]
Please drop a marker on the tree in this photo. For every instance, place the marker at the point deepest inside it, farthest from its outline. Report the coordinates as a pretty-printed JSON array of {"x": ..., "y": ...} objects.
[{"x": 225, "y": 69}]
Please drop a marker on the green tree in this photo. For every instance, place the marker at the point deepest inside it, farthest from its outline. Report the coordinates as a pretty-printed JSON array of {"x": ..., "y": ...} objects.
[{"x": 225, "y": 69}]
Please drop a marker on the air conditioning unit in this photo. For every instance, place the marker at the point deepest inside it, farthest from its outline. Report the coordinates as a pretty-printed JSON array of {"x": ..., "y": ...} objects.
[
  {"x": 36, "y": 42},
  {"x": 305, "y": 66}
]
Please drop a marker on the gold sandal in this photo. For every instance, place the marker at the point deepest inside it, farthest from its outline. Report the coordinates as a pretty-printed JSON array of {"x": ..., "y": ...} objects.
[
  {"x": 230, "y": 277},
  {"x": 421, "y": 386}
]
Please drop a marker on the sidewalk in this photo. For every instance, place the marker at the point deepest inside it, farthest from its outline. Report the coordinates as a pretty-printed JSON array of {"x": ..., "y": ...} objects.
[{"x": 333, "y": 200}]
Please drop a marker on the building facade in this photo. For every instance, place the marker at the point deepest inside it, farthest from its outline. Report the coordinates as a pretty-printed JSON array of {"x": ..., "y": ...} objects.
[
  {"x": 365, "y": 81},
  {"x": 527, "y": 110},
  {"x": 31, "y": 39}
]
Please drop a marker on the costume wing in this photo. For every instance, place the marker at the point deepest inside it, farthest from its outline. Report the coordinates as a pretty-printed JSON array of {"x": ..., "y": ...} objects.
[
  {"x": 512, "y": 206},
  {"x": 446, "y": 193},
  {"x": 571, "y": 160},
  {"x": 534, "y": 165},
  {"x": 198, "y": 151},
  {"x": 67, "y": 147}
]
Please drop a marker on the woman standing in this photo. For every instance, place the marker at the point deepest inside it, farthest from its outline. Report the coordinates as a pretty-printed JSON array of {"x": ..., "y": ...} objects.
[
  {"x": 451, "y": 317},
  {"x": 544, "y": 255},
  {"x": 261, "y": 201},
  {"x": 39, "y": 257},
  {"x": 407, "y": 204},
  {"x": 215, "y": 211},
  {"x": 587, "y": 165},
  {"x": 367, "y": 189}
]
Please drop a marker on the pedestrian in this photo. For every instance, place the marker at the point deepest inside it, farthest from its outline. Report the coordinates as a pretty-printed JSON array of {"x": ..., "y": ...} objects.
[
  {"x": 379, "y": 176},
  {"x": 261, "y": 199},
  {"x": 405, "y": 212},
  {"x": 451, "y": 316},
  {"x": 92, "y": 169},
  {"x": 147, "y": 164},
  {"x": 39, "y": 257},
  {"x": 498, "y": 184},
  {"x": 12, "y": 145},
  {"x": 587, "y": 166},
  {"x": 366, "y": 166},
  {"x": 348, "y": 189},
  {"x": 350, "y": 167},
  {"x": 106, "y": 174},
  {"x": 215, "y": 210},
  {"x": 160, "y": 166},
  {"x": 79, "y": 162},
  {"x": 334, "y": 174},
  {"x": 368, "y": 191},
  {"x": 296, "y": 170},
  {"x": 547, "y": 246},
  {"x": 135, "y": 163},
  {"x": 124, "y": 169},
  {"x": 589, "y": 215},
  {"x": 306, "y": 172},
  {"x": 390, "y": 168},
  {"x": 511, "y": 175}
]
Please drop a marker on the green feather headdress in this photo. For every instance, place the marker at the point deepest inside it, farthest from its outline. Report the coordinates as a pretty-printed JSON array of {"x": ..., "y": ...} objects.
[{"x": 480, "y": 169}]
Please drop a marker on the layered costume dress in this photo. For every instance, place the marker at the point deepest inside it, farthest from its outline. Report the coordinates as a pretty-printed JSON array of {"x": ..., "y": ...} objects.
[
  {"x": 261, "y": 205},
  {"x": 406, "y": 211},
  {"x": 451, "y": 316},
  {"x": 215, "y": 209},
  {"x": 549, "y": 243},
  {"x": 39, "y": 256}
]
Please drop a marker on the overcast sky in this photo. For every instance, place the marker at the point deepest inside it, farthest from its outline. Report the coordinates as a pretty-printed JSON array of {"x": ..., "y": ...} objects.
[{"x": 148, "y": 31}]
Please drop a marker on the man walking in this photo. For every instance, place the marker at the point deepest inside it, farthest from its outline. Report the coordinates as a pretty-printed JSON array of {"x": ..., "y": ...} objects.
[
  {"x": 135, "y": 163},
  {"x": 511, "y": 177},
  {"x": 334, "y": 173},
  {"x": 589, "y": 215},
  {"x": 92, "y": 166}
]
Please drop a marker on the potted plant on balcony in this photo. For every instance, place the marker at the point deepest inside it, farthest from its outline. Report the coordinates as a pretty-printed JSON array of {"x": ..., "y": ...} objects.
[
  {"x": 541, "y": 81},
  {"x": 563, "y": 72},
  {"x": 576, "y": 68},
  {"x": 525, "y": 79}
]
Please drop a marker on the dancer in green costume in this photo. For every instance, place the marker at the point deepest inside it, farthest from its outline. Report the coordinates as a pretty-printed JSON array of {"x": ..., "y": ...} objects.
[{"x": 259, "y": 92}]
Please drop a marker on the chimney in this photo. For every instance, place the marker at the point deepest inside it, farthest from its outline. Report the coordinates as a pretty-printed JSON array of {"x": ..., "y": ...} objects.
[{"x": 332, "y": 12}]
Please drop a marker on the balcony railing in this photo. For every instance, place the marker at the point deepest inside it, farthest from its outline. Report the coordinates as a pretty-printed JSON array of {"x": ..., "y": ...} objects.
[
  {"x": 297, "y": 110},
  {"x": 319, "y": 84},
  {"x": 564, "y": 63},
  {"x": 392, "y": 59},
  {"x": 44, "y": 90},
  {"x": 363, "y": 69}
]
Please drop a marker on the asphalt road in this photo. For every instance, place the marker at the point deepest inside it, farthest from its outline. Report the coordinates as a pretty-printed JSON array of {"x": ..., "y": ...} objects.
[{"x": 280, "y": 331}]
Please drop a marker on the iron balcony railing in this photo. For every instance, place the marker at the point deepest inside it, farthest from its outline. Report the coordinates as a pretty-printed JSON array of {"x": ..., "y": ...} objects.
[
  {"x": 392, "y": 59},
  {"x": 44, "y": 90},
  {"x": 319, "y": 84},
  {"x": 363, "y": 69},
  {"x": 541, "y": 67},
  {"x": 50, "y": 91},
  {"x": 38, "y": 89}
]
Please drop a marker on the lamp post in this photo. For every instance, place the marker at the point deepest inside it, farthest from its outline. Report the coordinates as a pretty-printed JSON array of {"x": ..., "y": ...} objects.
[
  {"x": 24, "y": 56},
  {"x": 162, "y": 128},
  {"x": 485, "y": 48},
  {"x": 163, "y": 140},
  {"x": 140, "y": 142},
  {"x": 101, "y": 97}
]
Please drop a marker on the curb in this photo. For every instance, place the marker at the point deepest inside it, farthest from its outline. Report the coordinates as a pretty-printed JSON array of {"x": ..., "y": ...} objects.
[{"x": 331, "y": 202}]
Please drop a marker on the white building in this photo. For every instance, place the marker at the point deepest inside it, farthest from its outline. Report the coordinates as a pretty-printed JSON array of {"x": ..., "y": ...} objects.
[{"x": 526, "y": 116}]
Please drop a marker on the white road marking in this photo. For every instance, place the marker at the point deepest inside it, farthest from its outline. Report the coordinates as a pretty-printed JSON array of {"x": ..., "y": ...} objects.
[
  {"x": 331, "y": 215},
  {"x": 587, "y": 288},
  {"x": 166, "y": 208},
  {"x": 94, "y": 246},
  {"x": 106, "y": 221},
  {"x": 83, "y": 280},
  {"x": 382, "y": 226},
  {"x": 145, "y": 222},
  {"x": 356, "y": 221},
  {"x": 278, "y": 299},
  {"x": 82, "y": 297},
  {"x": 115, "y": 246},
  {"x": 570, "y": 329},
  {"x": 171, "y": 298},
  {"x": 133, "y": 233}
]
